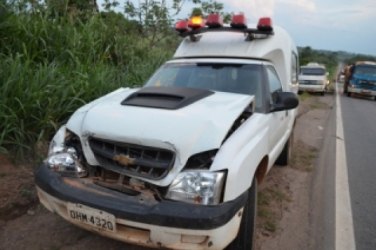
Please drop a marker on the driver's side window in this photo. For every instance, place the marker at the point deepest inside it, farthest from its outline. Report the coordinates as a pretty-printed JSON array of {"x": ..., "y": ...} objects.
[{"x": 274, "y": 83}]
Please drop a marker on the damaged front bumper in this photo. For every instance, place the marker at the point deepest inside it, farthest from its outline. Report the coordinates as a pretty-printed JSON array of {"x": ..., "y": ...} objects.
[{"x": 161, "y": 223}]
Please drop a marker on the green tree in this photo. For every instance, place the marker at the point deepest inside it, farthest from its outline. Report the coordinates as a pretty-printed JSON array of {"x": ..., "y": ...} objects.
[
  {"x": 208, "y": 7},
  {"x": 74, "y": 9}
]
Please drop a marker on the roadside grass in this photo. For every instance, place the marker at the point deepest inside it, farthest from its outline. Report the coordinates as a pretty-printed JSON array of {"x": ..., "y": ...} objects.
[
  {"x": 304, "y": 96},
  {"x": 318, "y": 105},
  {"x": 331, "y": 88},
  {"x": 303, "y": 157},
  {"x": 268, "y": 208},
  {"x": 49, "y": 69}
]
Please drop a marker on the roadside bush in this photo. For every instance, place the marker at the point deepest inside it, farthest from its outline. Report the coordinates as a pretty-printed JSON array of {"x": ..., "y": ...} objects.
[{"x": 50, "y": 67}]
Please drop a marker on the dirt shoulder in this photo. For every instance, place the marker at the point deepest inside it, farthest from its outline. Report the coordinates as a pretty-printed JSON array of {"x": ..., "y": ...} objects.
[
  {"x": 283, "y": 201},
  {"x": 284, "y": 198}
]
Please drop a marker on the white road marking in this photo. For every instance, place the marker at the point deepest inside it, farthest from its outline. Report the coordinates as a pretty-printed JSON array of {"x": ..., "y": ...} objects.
[{"x": 345, "y": 238}]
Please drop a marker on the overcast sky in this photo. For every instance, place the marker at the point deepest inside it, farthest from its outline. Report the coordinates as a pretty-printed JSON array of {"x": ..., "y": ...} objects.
[{"x": 348, "y": 25}]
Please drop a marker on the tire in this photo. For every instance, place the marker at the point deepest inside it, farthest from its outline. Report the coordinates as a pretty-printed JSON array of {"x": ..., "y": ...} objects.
[
  {"x": 348, "y": 94},
  {"x": 285, "y": 156},
  {"x": 245, "y": 240},
  {"x": 323, "y": 93}
]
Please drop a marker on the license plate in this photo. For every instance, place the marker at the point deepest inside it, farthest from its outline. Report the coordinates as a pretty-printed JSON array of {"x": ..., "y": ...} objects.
[
  {"x": 366, "y": 92},
  {"x": 93, "y": 217}
]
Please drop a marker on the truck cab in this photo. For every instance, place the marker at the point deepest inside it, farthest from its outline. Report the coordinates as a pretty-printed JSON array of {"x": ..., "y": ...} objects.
[
  {"x": 176, "y": 163},
  {"x": 361, "y": 79},
  {"x": 313, "y": 78}
]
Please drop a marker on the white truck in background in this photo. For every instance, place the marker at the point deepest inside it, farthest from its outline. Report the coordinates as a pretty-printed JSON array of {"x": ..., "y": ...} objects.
[
  {"x": 313, "y": 77},
  {"x": 176, "y": 164}
]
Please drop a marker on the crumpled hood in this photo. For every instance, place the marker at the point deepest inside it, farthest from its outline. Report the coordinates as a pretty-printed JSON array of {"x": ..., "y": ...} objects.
[{"x": 195, "y": 128}]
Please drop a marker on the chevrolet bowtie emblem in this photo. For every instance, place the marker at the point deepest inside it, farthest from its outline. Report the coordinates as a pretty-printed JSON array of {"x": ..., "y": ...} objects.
[{"x": 124, "y": 160}]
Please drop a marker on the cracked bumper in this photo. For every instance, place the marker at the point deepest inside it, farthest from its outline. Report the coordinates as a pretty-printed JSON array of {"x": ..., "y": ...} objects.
[{"x": 159, "y": 224}]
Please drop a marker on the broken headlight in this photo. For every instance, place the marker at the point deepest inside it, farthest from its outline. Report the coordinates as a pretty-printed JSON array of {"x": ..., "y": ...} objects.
[
  {"x": 64, "y": 155},
  {"x": 198, "y": 187}
]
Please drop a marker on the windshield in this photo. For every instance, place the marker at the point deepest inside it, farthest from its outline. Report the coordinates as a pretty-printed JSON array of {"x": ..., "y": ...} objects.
[
  {"x": 233, "y": 78},
  {"x": 313, "y": 71},
  {"x": 365, "y": 70}
]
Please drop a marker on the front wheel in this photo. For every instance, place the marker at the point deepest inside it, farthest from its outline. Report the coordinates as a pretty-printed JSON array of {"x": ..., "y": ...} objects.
[
  {"x": 245, "y": 240},
  {"x": 285, "y": 156}
]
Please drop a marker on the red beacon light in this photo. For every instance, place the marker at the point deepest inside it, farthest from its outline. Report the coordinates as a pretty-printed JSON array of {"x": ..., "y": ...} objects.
[
  {"x": 265, "y": 24},
  {"x": 181, "y": 26},
  {"x": 214, "y": 20},
  {"x": 238, "y": 21},
  {"x": 196, "y": 22}
]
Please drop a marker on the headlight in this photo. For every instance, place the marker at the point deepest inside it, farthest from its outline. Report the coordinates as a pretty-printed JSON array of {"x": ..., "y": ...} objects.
[
  {"x": 63, "y": 157},
  {"x": 57, "y": 143},
  {"x": 198, "y": 187}
]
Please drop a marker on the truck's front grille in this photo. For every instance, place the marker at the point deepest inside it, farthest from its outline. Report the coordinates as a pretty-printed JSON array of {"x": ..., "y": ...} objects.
[
  {"x": 368, "y": 85},
  {"x": 124, "y": 158}
]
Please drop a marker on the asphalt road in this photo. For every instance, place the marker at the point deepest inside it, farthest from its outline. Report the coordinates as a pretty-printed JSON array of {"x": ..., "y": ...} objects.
[
  {"x": 359, "y": 126},
  {"x": 322, "y": 199}
]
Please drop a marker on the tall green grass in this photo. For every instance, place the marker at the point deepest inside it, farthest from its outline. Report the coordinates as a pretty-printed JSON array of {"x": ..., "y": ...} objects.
[{"x": 50, "y": 67}]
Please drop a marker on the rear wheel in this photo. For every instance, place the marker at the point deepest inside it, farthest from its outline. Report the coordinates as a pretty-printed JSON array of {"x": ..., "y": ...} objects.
[
  {"x": 245, "y": 240},
  {"x": 348, "y": 94}
]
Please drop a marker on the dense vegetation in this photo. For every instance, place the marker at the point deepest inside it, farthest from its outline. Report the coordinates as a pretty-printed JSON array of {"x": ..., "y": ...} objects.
[{"x": 51, "y": 63}]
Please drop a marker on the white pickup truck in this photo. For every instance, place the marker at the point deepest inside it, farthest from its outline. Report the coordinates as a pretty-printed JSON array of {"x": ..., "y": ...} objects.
[{"x": 176, "y": 164}]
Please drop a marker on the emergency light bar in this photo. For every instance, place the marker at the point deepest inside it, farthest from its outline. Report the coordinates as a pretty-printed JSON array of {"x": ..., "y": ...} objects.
[
  {"x": 196, "y": 22},
  {"x": 239, "y": 21},
  {"x": 265, "y": 24},
  {"x": 214, "y": 22},
  {"x": 182, "y": 26}
]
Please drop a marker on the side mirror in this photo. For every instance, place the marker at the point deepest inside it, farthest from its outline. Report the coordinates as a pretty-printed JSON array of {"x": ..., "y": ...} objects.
[{"x": 285, "y": 101}]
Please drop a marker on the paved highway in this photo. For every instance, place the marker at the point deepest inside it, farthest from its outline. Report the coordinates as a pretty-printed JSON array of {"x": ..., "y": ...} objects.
[{"x": 359, "y": 131}]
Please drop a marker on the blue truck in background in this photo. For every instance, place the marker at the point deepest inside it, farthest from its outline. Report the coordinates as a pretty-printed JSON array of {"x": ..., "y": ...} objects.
[{"x": 361, "y": 79}]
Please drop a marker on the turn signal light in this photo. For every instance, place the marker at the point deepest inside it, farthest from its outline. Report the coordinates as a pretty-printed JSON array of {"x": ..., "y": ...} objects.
[
  {"x": 265, "y": 24},
  {"x": 214, "y": 21},
  {"x": 239, "y": 21}
]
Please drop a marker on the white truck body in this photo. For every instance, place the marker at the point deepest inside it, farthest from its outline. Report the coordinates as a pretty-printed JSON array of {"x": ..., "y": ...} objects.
[
  {"x": 241, "y": 134},
  {"x": 313, "y": 78}
]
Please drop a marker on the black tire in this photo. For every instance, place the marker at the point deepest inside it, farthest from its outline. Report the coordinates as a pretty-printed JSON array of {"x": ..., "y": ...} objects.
[
  {"x": 245, "y": 240},
  {"x": 323, "y": 93},
  {"x": 348, "y": 94},
  {"x": 285, "y": 156}
]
